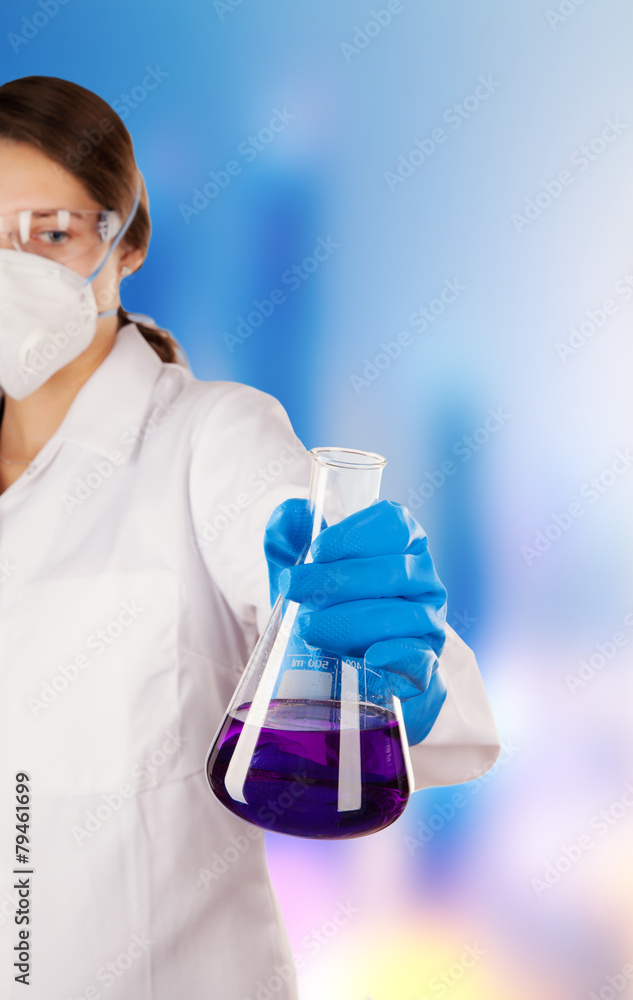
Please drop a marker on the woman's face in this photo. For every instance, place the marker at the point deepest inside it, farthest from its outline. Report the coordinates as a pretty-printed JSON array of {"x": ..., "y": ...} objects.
[{"x": 30, "y": 179}]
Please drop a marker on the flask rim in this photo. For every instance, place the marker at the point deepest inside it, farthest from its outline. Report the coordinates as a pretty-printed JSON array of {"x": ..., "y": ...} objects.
[{"x": 357, "y": 459}]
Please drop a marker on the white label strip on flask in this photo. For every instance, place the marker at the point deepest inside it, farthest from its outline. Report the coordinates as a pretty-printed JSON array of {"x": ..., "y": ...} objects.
[
  {"x": 350, "y": 792},
  {"x": 247, "y": 740},
  {"x": 408, "y": 765}
]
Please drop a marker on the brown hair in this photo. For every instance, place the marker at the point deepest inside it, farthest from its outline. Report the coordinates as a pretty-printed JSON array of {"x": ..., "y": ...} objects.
[{"x": 69, "y": 123}]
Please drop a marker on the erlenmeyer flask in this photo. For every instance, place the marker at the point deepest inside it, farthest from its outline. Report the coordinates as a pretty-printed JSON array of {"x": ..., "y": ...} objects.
[{"x": 313, "y": 744}]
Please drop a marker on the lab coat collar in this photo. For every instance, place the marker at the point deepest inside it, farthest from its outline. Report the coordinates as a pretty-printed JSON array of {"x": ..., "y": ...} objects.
[
  {"x": 109, "y": 409},
  {"x": 108, "y": 412}
]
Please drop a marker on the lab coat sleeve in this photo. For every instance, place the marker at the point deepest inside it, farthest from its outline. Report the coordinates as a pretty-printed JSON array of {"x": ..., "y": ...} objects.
[
  {"x": 463, "y": 743},
  {"x": 246, "y": 460}
]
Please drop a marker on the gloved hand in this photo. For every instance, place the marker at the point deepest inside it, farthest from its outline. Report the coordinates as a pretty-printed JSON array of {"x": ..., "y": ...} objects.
[{"x": 371, "y": 591}]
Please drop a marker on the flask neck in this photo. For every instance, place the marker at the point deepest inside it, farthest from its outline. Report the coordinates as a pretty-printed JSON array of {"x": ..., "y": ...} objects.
[{"x": 343, "y": 480}]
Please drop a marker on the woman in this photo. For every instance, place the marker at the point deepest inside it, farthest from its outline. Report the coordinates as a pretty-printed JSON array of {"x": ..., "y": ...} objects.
[{"x": 128, "y": 608}]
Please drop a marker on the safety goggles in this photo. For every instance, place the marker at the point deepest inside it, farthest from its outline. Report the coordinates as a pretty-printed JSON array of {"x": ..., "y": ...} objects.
[{"x": 61, "y": 234}]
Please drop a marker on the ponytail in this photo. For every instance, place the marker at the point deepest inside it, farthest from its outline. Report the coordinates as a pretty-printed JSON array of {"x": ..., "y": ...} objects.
[{"x": 168, "y": 349}]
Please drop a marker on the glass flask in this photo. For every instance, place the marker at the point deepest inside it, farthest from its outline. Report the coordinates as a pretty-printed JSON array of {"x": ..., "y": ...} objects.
[{"x": 313, "y": 744}]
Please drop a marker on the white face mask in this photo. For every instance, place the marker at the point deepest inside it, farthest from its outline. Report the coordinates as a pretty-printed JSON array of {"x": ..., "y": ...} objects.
[{"x": 48, "y": 315}]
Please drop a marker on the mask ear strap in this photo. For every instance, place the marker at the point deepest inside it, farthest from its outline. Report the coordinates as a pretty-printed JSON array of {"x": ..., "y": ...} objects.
[{"x": 126, "y": 225}]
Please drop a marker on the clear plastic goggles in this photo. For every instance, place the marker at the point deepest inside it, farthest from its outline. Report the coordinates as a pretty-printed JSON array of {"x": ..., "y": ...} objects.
[{"x": 61, "y": 234}]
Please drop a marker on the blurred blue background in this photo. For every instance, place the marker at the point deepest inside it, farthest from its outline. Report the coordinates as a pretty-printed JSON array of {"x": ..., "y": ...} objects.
[{"x": 423, "y": 143}]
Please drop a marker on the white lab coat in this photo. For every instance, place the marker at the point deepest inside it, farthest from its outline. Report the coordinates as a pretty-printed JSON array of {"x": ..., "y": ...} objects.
[{"x": 133, "y": 585}]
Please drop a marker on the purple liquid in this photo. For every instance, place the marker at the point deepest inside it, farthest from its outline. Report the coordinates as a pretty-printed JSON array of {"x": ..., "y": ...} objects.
[{"x": 292, "y": 784}]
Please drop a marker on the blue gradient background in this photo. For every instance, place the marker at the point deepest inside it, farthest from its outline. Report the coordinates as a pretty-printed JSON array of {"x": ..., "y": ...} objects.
[{"x": 416, "y": 904}]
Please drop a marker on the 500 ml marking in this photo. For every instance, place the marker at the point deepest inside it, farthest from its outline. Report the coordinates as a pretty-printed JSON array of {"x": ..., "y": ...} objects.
[{"x": 22, "y": 885}]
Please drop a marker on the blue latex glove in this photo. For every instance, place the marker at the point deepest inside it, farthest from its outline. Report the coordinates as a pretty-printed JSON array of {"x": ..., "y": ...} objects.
[{"x": 371, "y": 591}]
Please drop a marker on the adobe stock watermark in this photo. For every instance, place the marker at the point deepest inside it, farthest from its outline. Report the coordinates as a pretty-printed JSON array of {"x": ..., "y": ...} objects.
[
  {"x": 257, "y": 483},
  {"x": 442, "y": 813},
  {"x": 130, "y": 101},
  {"x": 107, "y": 974},
  {"x": 464, "y": 448},
  {"x": 421, "y": 319},
  {"x": 570, "y": 855},
  {"x": 31, "y": 26},
  {"x": 92, "y": 139},
  {"x": 141, "y": 773},
  {"x": 8, "y": 906},
  {"x": 126, "y": 102},
  {"x": 56, "y": 341},
  {"x": 592, "y": 491},
  {"x": 332, "y": 579},
  {"x": 159, "y": 412},
  {"x": 7, "y": 569},
  {"x": 293, "y": 278},
  {"x": 562, "y": 13},
  {"x": 97, "y": 642},
  {"x": 461, "y": 622},
  {"x": 224, "y": 7},
  {"x": 595, "y": 319},
  {"x": 267, "y": 815},
  {"x": 249, "y": 148},
  {"x": 605, "y": 653},
  {"x": 221, "y": 861},
  {"x": 455, "y": 116},
  {"x": 311, "y": 944},
  {"x": 39, "y": 358},
  {"x": 101, "y": 469},
  {"x": 377, "y": 22},
  {"x": 319, "y": 936},
  {"x": 581, "y": 158},
  {"x": 442, "y": 982},
  {"x": 614, "y": 984}
]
